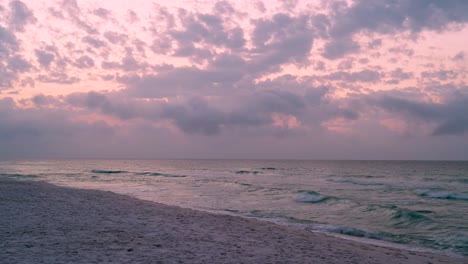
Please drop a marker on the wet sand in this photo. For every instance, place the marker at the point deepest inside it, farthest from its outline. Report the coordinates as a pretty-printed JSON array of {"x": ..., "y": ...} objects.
[{"x": 43, "y": 223}]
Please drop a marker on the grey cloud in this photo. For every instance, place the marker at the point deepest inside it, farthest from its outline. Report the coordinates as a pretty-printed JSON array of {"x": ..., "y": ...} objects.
[
  {"x": 226, "y": 60},
  {"x": 360, "y": 76},
  {"x": 107, "y": 77},
  {"x": 363, "y": 60},
  {"x": 449, "y": 116},
  {"x": 402, "y": 50},
  {"x": 8, "y": 42},
  {"x": 44, "y": 100},
  {"x": 58, "y": 77},
  {"x": 74, "y": 12},
  {"x": 102, "y": 12},
  {"x": 289, "y": 4},
  {"x": 84, "y": 62},
  {"x": 223, "y": 7},
  {"x": 115, "y": 37},
  {"x": 260, "y": 6},
  {"x": 18, "y": 64},
  {"x": 346, "y": 64},
  {"x": 27, "y": 132},
  {"x": 101, "y": 102},
  {"x": 376, "y": 43},
  {"x": 162, "y": 44},
  {"x": 44, "y": 58},
  {"x": 321, "y": 25},
  {"x": 388, "y": 16},
  {"x": 207, "y": 29},
  {"x": 279, "y": 40},
  {"x": 20, "y": 15},
  {"x": 184, "y": 80},
  {"x": 132, "y": 17},
  {"x": 56, "y": 13},
  {"x": 10, "y": 64},
  {"x": 28, "y": 81},
  {"x": 196, "y": 54},
  {"x": 200, "y": 116},
  {"x": 340, "y": 47},
  {"x": 7, "y": 77},
  {"x": 442, "y": 75},
  {"x": 399, "y": 75},
  {"x": 195, "y": 117},
  {"x": 94, "y": 42},
  {"x": 459, "y": 56},
  {"x": 128, "y": 63}
]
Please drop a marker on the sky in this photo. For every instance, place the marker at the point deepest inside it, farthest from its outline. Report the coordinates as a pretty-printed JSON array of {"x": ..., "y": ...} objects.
[{"x": 285, "y": 79}]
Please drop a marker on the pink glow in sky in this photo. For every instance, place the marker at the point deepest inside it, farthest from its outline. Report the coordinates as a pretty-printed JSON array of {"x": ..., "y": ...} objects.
[{"x": 364, "y": 79}]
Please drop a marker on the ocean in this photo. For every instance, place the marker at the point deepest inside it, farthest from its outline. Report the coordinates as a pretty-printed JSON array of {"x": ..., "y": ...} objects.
[{"x": 421, "y": 205}]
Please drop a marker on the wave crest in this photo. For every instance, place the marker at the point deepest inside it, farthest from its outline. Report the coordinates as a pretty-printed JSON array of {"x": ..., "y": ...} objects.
[
  {"x": 442, "y": 195},
  {"x": 108, "y": 171},
  {"x": 311, "y": 197}
]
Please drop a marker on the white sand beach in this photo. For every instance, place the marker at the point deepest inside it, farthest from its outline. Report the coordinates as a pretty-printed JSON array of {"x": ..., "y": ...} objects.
[{"x": 43, "y": 223}]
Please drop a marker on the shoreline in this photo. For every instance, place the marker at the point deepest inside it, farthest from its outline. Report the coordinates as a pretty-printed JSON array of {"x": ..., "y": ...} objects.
[{"x": 48, "y": 223}]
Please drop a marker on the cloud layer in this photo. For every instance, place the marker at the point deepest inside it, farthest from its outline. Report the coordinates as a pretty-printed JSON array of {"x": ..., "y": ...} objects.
[{"x": 285, "y": 79}]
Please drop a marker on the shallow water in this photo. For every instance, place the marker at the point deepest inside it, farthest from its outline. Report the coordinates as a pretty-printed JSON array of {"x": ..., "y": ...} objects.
[{"x": 416, "y": 203}]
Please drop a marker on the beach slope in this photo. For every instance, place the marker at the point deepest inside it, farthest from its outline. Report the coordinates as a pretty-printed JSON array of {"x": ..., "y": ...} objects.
[{"x": 43, "y": 223}]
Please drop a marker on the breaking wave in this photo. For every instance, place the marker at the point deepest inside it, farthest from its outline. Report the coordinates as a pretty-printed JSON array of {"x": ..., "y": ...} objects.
[
  {"x": 311, "y": 197},
  {"x": 442, "y": 195},
  {"x": 160, "y": 174},
  {"x": 351, "y": 231}
]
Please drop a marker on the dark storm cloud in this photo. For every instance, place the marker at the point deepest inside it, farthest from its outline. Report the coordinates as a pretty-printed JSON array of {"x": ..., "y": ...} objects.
[{"x": 20, "y": 15}]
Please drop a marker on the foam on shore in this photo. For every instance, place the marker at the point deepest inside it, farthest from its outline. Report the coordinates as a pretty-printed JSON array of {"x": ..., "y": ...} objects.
[{"x": 40, "y": 222}]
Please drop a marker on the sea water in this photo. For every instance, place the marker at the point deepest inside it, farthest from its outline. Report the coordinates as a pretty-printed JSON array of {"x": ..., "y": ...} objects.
[{"x": 420, "y": 204}]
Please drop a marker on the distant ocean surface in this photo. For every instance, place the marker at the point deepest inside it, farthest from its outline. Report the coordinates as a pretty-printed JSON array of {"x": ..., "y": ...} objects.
[{"x": 421, "y": 204}]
